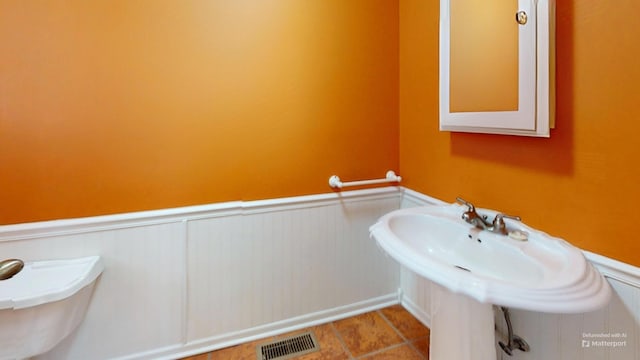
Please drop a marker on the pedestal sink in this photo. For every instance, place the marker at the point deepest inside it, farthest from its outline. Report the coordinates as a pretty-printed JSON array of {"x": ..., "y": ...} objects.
[{"x": 476, "y": 269}]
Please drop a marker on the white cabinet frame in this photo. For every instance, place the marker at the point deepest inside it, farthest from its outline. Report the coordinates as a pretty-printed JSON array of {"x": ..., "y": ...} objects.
[{"x": 536, "y": 53}]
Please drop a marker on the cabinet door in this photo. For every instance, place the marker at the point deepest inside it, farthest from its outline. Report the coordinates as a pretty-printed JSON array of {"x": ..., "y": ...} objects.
[{"x": 489, "y": 67}]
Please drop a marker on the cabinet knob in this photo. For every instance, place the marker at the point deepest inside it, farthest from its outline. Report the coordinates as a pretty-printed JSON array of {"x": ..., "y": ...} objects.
[{"x": 521, "y": 17}]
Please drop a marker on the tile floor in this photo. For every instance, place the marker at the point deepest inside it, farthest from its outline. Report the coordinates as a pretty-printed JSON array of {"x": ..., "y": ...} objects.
[{"x": 389, "y": 333}]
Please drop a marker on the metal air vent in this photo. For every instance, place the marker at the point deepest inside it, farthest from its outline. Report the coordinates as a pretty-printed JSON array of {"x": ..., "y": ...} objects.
[{"x": 288, "y": 348}]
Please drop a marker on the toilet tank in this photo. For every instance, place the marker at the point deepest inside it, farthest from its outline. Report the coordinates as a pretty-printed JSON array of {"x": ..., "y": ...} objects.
[{"x": 44, "y": 303}]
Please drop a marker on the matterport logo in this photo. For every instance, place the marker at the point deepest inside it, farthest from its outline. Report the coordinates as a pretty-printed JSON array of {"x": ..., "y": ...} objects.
[{"x": 610, "y": 340}]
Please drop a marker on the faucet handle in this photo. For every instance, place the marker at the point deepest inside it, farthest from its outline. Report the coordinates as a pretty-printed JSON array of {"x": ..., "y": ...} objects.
[
  {"x": 498, "y": 222},
  {"x": 466, "y": 203}
]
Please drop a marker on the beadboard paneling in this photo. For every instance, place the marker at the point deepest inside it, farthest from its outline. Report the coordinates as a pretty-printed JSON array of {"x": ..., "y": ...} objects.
[
  {"x": 268, "y": 267},
  {"x": 182, "y": 281},
  {"x": 136, "y": 301},
  {"x": 416, "y": 290}
]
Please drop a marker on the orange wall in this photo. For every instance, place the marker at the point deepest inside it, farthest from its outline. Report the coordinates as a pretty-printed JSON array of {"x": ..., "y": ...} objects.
[
  {"x": 583, "y": 183},
  {"x": 116, "y": 106},
  {"x": 111, "y": 106}
]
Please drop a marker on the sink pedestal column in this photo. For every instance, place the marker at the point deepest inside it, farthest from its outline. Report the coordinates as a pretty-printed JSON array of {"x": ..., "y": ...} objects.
[{"x": 461, "y": 327}]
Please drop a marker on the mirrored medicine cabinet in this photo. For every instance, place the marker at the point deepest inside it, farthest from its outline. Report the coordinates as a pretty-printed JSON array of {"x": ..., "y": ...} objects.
[{"x": 497, "y": 66}]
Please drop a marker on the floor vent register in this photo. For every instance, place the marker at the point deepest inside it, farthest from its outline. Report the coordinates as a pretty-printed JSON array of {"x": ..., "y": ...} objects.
[{"x": 288, "y": 347}]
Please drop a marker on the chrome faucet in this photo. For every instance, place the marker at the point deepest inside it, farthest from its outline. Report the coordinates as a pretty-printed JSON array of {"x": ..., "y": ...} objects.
[
  {"x": 480, "y": 221},
  {"x": 471, "y": 216},
  {"x": 498, "y": 225}
]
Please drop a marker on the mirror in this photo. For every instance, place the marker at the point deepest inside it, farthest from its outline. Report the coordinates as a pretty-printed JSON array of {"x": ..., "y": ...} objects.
[{"x": 483, "y": 50}]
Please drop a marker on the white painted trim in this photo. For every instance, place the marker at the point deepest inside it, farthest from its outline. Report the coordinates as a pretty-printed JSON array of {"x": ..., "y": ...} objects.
[
  {"x": 164, "y": 216},
  {"x": 421, "y": 314},
  {"x": 35, "y": 230},
  {"x": 615, "y": 269},
  {"x": 521, "y": 119},
  {"x": 420, "y": 198},
  {"x": 317, "y": 200},
  {"x": 534, "y": 114},
  {"x": 267, "y": 330},
  {"x": 546, "y": 82},
  {"x": 184, "y": 287}
]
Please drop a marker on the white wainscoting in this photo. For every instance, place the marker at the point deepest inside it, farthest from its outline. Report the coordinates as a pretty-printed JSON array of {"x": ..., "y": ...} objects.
[
  {"x": 187, "y": 280},
  {"x": 182, "y": 281},
  {"x": 137, "y": 301},
  {"x": 556, "y": 336}
]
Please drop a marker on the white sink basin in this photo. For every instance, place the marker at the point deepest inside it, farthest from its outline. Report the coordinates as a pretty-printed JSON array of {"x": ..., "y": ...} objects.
[{"x": 543, "y": 273}]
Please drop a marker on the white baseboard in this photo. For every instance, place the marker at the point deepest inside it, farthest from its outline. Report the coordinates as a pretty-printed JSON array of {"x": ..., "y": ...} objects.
[
  {"x": 421, "y": 314},
  {"x": 272, "y": 329}
]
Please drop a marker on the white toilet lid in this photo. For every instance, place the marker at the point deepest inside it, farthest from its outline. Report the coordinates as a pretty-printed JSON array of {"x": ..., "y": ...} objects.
[{"x": 41, "y": 282}]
